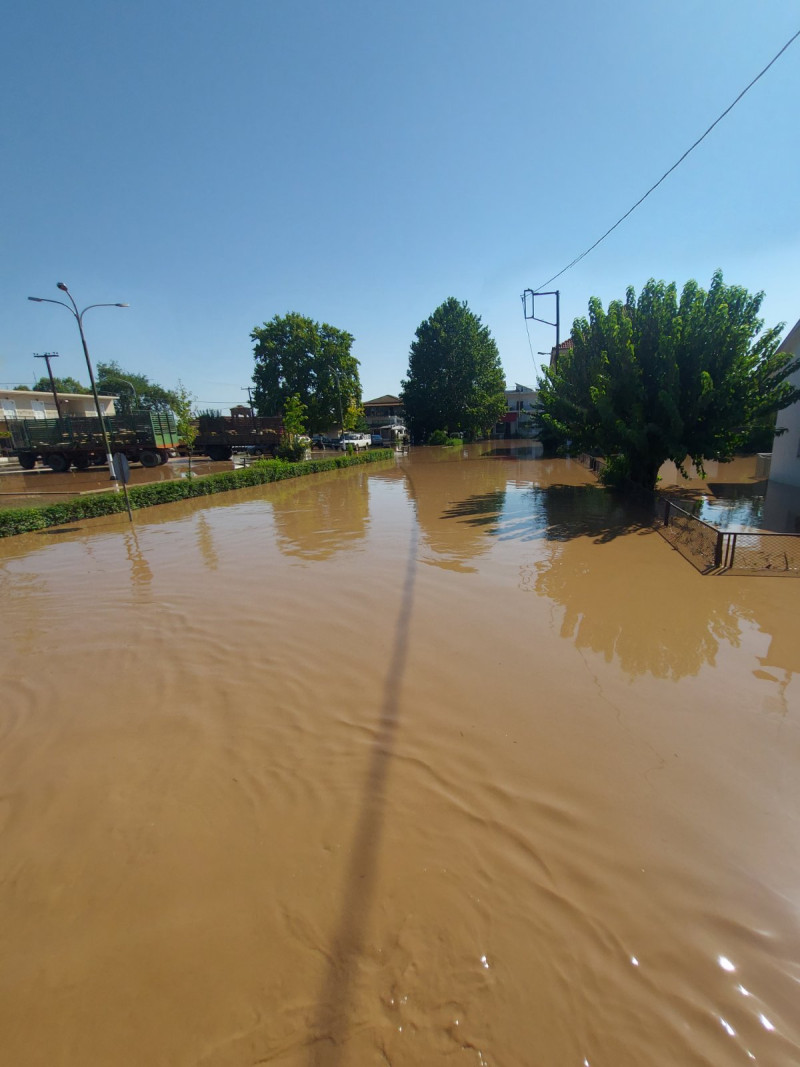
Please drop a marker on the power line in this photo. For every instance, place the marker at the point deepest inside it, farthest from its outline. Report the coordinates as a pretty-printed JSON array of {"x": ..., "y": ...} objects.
[{"x": 674, "y": 165}]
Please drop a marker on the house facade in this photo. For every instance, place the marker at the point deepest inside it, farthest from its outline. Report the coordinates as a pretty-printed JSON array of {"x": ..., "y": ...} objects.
[
  {"x": 782, "y": 502},
  {"x": 785, "y": 466},
  {"x": 521, "y": 404},
  {"x": 384, "y": 411}
]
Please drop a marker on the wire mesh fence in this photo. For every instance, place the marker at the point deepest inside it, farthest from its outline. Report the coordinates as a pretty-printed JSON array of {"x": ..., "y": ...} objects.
[
  {"x": 773, "y": 552},
  {"x": 696, "y": 540},
  {"x": 708, "y": 548}
]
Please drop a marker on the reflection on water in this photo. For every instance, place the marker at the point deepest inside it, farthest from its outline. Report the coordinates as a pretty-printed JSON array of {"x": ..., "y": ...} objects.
[
  {"x": 316, "y": 517},
  {"x": 447, "y": 761}
]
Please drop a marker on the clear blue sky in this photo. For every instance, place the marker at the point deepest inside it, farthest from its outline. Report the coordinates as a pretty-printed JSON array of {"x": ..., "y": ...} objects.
[{"x": 217, "y": 163}]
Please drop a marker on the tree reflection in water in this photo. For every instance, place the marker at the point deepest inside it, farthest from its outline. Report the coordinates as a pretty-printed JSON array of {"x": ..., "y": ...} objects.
[
  {"x": 625, "y": 594},
  {"x": 318, "y": 516}
]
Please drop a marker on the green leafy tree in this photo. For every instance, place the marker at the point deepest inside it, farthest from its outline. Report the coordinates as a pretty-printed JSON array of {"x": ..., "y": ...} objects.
[
  {"x": 114, "y": 380},
  {"x": 185, "y": 421},
  {"x": 63, "y": 385},
  {"x": 294, "y": 417},
  {"x": 296, "y": 356},
  {"x": 662, "y": 377},
  {"x": 455, "y": 381}
]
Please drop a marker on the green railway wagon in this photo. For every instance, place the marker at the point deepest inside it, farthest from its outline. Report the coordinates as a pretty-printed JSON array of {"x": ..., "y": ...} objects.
[{"x": 145, "y": 437}]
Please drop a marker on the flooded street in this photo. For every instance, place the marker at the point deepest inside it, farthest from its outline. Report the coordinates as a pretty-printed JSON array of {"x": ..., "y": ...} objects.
[{"x": 449, "y": 760}]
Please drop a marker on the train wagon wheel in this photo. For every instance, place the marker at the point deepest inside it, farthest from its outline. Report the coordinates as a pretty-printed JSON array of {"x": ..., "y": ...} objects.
[
  {"x": 163, "y": 457},
  {"x": 27, "y": 460},
  {"x": 58, "y": 462},
  {"x": 149, "y": 459},
  {"x": 219, "y": 453},
  {"x": 81, "y": 462}
]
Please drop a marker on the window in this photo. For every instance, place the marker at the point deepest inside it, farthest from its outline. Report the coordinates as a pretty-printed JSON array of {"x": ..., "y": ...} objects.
[
  {"x": 9, "y": 409},
  {"x": 38, "y": 409}
]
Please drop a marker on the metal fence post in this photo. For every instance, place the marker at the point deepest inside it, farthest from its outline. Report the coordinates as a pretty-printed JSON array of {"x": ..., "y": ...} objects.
[
  {"x": 666, "y": 512},
  {"x": 718, "y": 549}
]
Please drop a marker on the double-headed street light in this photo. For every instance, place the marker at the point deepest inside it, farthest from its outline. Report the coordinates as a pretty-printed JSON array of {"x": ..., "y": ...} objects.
[{"x": 73, "y": 310}]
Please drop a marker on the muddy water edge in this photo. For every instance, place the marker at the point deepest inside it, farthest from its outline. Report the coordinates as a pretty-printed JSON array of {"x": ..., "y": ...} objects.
[{"x": 452, "y": 760}]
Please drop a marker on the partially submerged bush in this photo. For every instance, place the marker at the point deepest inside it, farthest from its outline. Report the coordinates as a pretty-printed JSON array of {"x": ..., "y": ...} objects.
[{"x": 441, "y": 437}]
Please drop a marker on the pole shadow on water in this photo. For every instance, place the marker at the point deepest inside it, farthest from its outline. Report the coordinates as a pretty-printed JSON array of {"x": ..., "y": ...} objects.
[{"x": 331, "y": 1026}]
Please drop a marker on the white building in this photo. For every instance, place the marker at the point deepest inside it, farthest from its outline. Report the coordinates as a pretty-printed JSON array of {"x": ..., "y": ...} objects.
[
  {"x": 785, "y": 466},
  {"x": 521, "y": 404},
  {"x": 25, "y": 404},
  {"x": 782, "y": 503}
]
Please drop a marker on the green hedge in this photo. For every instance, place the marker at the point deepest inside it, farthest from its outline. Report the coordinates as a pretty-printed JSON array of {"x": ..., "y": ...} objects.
[{"x": 22, "y": 520}]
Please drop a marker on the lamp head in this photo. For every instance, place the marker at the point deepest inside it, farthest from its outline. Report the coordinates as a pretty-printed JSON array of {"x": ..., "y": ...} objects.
[
  {"x": 62, "y": 287},
  {"x": 122, "y": 305},
  {"x": 38, "y": 299}
]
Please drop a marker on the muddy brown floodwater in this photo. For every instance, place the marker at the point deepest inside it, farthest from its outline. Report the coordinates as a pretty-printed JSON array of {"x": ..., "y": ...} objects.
[{"x": 446, "y": 761}]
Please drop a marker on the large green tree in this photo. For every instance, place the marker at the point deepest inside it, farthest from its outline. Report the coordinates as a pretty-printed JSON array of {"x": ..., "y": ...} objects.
[
  {"x": 454, "y": 380},
  {"x": 667, "y": 377},
  {"x": 295, "y": 356},
  {"x": 113, "y": 380}
]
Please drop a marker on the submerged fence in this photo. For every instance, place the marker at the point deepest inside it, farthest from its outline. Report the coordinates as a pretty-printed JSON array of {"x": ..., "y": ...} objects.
[
  {"x": 711, "y": 549},
  {"x": 707, "y": 547}
]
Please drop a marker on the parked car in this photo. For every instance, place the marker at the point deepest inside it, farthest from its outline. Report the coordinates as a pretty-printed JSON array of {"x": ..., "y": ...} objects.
[
  {"x": 376, "y": 439},
  {"x": 321, "y": 440},
  {"x": 259, "y": 450},
  {"x": 356, "y": 440}
]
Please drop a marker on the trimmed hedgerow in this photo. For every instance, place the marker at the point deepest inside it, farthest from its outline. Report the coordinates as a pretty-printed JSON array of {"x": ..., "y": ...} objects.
[{"x": 23, "y": 520}]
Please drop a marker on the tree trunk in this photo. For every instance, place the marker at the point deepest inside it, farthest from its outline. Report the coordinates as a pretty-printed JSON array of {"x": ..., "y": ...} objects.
[{"x": 644, "y": 470}]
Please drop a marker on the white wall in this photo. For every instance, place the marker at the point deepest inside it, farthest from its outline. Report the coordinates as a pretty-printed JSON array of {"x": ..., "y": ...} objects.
[
  {"x": 785, "y": 467},
  {"x": 22, "y": 404}
]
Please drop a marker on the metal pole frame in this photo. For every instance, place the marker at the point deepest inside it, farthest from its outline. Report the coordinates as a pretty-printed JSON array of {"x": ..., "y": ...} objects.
[{"x": 553, "y": 292}]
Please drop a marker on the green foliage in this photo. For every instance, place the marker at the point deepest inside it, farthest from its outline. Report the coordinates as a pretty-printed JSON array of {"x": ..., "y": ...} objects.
[
  {"x": 441, "y": 437},
  {"x": 665, "y": 378},
  {"x": 454, "y": 378},
  {"x": 291, "y": 449},
  {"x": 63, "y": 385},
  {"x": 209, "y": 413},
  {"x": 356, "y": 421},
  {"x": 113, "y": 380},
  {"x": 182, "y": 406},
  {"x": 22, "y": 388},
  {"x": 295, "y": 356},
  {"x": 294, "y": 412},
  {"x": 24, "y": 520}
]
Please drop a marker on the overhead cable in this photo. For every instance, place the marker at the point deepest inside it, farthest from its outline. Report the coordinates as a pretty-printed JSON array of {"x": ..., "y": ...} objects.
[{"x": 674, "y": 165}]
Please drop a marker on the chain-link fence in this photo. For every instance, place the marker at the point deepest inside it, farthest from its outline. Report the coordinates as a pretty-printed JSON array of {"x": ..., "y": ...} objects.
[
  {"x": 773, "y": 552},
  {"x": 710, "y": 549},
  {"x": 697, "y": 541}
]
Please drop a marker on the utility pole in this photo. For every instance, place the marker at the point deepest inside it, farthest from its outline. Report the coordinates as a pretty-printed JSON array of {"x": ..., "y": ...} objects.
[
  {"x": 47, "y": 356},
  {"x": 249, "y": 390},
  {"x": 556, "y": 293}
]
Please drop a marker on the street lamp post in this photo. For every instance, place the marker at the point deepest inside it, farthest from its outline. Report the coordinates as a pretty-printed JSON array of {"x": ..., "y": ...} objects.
[
  {"x": 132, "y": 389},
  {"x": 78, "y": 315},
  {"x": 47, "y": 356},
  {"x": 339, "y": 391}
]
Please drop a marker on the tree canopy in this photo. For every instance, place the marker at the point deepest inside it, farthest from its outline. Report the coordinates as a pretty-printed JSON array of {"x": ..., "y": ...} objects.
[
  {"x": 454, "y": 380},
  {"x": 114, "y": 380},
  {"x": 662, "y": 377},
  {"x": 63, "y": 385},
  {"x": 295, "y": 356}
]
